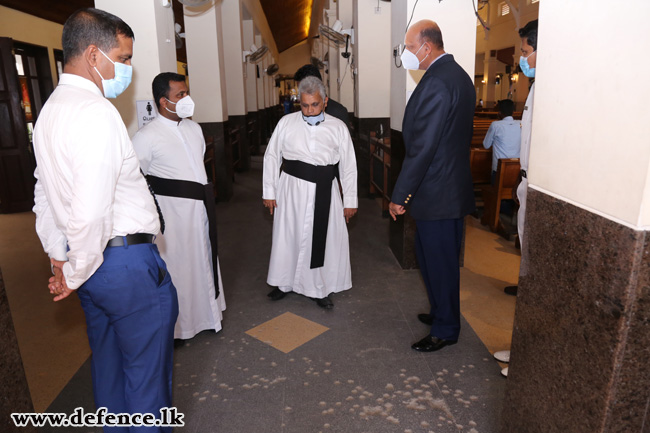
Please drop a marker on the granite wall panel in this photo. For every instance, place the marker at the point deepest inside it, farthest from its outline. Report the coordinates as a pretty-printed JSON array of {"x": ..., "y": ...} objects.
[{"x": 580, "y": 349}]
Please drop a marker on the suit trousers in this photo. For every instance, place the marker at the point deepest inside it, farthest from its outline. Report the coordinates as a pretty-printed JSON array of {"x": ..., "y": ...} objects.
[
  {"x": 437, "y": 247},
  {"x": 131, "y": 307}
]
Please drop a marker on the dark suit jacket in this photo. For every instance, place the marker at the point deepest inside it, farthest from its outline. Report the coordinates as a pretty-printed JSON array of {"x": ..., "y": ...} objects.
[{"x": 436, "y": 180}]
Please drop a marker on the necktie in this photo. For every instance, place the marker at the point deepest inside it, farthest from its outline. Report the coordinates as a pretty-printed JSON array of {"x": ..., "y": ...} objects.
[{"x": 160, "y": 215}]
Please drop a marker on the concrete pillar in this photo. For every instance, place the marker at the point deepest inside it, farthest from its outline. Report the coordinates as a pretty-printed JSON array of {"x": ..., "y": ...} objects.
[
  {"x": 231, "y": 14},
  {"x": 372, "y": 73},
  {"x": 251, "y": 89},
  {"x": 458, "y": 25},
  {"x": 154, "y": 50},
  {"x": 345, "y": 93},
  {"x": 580, "y": 346},
  {"x": 207, "y": 77},
  {"x": 489, "y": 87}
]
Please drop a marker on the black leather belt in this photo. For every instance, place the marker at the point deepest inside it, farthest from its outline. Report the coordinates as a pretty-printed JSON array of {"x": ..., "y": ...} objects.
[
  {"x": 134, "y": 239},
  {"x": 523, "y": 173}
]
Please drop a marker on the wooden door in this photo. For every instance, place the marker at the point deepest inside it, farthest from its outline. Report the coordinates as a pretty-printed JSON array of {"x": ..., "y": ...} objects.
[{"x": 16, "y": 160}]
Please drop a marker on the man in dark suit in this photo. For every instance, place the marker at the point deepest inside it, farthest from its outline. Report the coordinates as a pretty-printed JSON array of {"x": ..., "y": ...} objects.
[
  {"x": 333, "y": 108},
  {"x": 436, "y": 180}
]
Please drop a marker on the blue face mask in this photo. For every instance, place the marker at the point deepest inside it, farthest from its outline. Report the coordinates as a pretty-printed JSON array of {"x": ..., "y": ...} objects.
[
  {"x": 314, "y": 120},
  {"x": 118, "y": 84},
  {"x": 525, "y": 67}
]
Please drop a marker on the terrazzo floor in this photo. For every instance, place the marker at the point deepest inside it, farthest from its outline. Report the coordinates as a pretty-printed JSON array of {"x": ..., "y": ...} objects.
[{"x": 354, "y": 371}]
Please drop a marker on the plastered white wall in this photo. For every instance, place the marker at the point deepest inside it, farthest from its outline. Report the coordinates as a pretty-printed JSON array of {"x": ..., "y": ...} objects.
[
  {"x": 590, "y": 141},
  {"x": 154, "y": 50},
  {"x": 372, "y": 58},
  {"x": 231, "y": 19},
  {"x": 205, "y": 62},
  {"x": 457, "y": 23}
]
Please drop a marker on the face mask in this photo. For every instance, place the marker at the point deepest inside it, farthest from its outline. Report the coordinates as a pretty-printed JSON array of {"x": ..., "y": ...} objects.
[
  {"x": 118, "y": 84},
  {"x": 525, "y": 67},
  {"x": 410, "y": 60},
  {"x": 314, "y": 120},
  {"x": 184, "y": 107}
]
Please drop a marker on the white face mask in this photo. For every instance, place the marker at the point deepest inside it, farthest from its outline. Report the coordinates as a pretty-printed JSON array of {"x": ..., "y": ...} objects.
[
  {"x": 410, "y": 60},
  {"x": 184, "y": 107}
]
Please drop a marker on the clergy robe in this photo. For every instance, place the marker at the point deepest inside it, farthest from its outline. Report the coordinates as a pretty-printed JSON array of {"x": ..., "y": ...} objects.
[
  {"x": 172, "y": 150},
  {"x": 325, "y": 144}
]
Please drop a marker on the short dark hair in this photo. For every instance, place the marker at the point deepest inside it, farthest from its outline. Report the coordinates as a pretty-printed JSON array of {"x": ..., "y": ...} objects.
[
  {"x": 308, "y": 70},
  {"x": 92, "y": 26},
  {"x": 433, "y": 35},
  {"x": 160, "y": 85},
  {"x": 506, "y": 107},
  {"x": 529, "y": 31}
]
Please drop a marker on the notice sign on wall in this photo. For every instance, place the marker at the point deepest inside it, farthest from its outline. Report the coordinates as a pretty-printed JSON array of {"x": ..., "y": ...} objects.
[{"x": 146, "y": 112}]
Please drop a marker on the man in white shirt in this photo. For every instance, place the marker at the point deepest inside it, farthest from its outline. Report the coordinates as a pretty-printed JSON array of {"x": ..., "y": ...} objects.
[
  {"x": 308, "y": 152},
  {"x": 96, "y": 220},
  {"x": 171, "y": 150},
  {"x": 504, "y": 135},
  {"x": 527, "y": 63}
]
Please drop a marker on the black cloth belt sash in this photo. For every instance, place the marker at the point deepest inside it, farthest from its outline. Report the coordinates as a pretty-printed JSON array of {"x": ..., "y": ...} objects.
[
  {"x": 322, "y": 176},
  {"x": 194, "y": 191}
]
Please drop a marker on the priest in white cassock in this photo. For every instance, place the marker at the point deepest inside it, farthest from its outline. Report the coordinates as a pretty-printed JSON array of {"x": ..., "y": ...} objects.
[
  {"x": 308, "y": 156},
  {"x": 171, "y": 149}
]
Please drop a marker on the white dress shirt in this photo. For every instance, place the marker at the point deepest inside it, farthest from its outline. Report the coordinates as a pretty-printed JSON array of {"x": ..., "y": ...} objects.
[{"x": 89, "y": 187}]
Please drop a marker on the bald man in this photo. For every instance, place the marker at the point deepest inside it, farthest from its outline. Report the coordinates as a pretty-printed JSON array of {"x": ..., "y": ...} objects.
[{"x": 435, "y": 181}]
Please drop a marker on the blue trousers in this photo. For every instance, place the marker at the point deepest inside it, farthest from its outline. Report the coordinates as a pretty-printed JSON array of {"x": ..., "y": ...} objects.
[
  {"x": 437, "y": 247},
  {"x": 131, "y": 307}
]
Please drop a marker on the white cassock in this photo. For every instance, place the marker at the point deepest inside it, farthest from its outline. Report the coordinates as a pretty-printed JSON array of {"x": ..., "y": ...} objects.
[
  {"x": 172, "y": 150},
  {"x": 325, "y": 144}
]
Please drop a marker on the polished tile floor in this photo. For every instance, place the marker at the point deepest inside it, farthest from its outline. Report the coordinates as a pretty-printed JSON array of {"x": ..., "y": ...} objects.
[{"x": 289, "y": 366}]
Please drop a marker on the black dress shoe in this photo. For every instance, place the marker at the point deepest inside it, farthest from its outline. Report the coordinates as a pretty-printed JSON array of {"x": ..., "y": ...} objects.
[
  {"x": 276, "y": 294},
  {"x": 511, "y": 290},
  {"x": 325, "y": 303},
  {"x": 431, "y": 344},
  {"x": 425, "y": 318}
]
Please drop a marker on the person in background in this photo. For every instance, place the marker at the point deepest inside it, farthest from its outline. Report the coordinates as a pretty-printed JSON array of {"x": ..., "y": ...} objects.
[
  {"x": 503, "y": 136},
  {"x": 333, "y": 108},
  {"x": 527, "y": 63}
]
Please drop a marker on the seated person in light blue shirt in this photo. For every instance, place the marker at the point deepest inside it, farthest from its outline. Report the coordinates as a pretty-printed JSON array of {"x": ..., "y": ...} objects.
[{"x": 504, "y": 136}]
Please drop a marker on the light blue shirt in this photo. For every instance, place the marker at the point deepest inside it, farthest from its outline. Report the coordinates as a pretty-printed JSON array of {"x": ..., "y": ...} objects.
[{"x": 505, "y": 136}]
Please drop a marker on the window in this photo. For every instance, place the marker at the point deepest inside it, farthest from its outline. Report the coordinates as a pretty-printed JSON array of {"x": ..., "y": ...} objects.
[{"x": 504, "y": 9}]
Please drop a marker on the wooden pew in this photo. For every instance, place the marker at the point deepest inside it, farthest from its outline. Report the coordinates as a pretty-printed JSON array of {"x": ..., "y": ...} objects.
[
  {"x": 506, "y": 179},
  {"x": 480, "y": 161}
]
